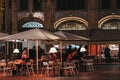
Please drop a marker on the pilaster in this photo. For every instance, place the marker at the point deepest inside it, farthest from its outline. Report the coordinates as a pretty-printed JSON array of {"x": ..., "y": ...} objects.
[
  {"x": 92, "y": 13},
  {"x": 14, "y": 17}
]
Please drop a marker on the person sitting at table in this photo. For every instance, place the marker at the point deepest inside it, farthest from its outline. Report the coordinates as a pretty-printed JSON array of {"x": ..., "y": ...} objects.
[
  {"x": 25, "y": 57},
  {"x": 70, "y": 57},
  {"x": 50, "y": 57},
  {"x": 56, "y": 57}
]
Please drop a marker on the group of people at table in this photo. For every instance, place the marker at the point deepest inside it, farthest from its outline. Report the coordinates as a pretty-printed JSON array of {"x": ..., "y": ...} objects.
[{"x": 69, "y": 55}]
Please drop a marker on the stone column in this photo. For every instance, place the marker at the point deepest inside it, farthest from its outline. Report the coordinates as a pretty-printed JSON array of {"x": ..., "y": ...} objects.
[
  {"x": 1, "y": 15},
  {"x": 49, "y": 14},
  {"x": 6, "y": 15},
  {"x": 30, "y": 6}
]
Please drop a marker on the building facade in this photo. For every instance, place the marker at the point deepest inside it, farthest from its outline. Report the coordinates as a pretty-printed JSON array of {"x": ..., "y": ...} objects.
[{"x": 18, "y": 15}]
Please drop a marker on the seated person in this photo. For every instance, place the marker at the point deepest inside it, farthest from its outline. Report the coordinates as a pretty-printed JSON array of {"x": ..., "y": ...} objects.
[
  {"x": 56, "y": 57},
  {"x": 71, "y": 56},
  {"x": 25, "y": 57}
]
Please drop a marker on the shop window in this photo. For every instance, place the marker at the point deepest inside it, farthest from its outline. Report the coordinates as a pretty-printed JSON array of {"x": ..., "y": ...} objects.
[
  {"x": 70, "y": 4},
  {"x": 23, "y": 4}
]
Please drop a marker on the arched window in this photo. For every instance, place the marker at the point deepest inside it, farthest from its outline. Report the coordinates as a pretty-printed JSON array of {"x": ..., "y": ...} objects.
[
  {"x": 32, "y": 25},
  {"x": 111, "y": 24},
  {"x": 72, "y": 25}
]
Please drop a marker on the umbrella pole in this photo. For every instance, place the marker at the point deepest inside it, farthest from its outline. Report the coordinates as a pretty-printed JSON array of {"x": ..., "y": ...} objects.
[
  {"x": 28, "y": 48},
  {"x": 7, "y": 50},
  {"x": 61, "y": 52},
  {"x": 37, "y": 56}
]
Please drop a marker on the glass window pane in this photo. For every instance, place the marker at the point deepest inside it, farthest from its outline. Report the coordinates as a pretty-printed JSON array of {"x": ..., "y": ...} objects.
[
  {"x": 105, "y": 4},
  {"x": 23, "y": 4},
  {"x": 70, "y": 4},
  {"x": 118, "y": 3},
  {"x": 37, "y": 4}
]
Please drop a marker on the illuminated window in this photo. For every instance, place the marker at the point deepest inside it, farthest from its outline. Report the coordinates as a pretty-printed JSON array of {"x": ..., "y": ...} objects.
[{"x": 32, "y": 25}]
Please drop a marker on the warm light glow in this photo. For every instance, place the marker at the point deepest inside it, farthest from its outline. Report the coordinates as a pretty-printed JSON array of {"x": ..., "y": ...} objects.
[
  {"x": 16, "y": 51},
  {"x": 53, "y": 50},
  {"x": 82, "y": 49}
]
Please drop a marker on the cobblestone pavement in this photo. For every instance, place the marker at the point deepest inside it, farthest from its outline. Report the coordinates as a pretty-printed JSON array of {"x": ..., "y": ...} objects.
[{"x": 102, "y": 72}]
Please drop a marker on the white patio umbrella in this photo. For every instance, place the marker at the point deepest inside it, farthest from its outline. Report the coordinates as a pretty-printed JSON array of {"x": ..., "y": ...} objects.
[
  {"x": 70, "y": 38},
  {"x": 33, "y": 34},
  {"x": 3, "y": 34}
]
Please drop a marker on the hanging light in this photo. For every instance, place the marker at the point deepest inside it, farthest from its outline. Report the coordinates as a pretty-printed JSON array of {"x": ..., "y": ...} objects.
[
  {"x": 53, "y": 50},
  {"x": 16, "y": 51},
  {"x": 83, "y": 49}
]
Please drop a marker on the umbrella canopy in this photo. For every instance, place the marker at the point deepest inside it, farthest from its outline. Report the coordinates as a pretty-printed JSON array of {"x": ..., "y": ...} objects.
[
  {"x": 32, "y": 34},
  {"x": 3, "y": 34},
  {"x": 70, "y": 36}
]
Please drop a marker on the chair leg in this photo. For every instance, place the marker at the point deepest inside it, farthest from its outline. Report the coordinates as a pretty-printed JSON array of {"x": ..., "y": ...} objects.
[
  {"x": 66, "y": 72},
  {"x": 42, "y": 71},
  {"x": 73, "y": 71},
  {"x": 48, "y": 73},
  {"x": 28, "y": 72}
]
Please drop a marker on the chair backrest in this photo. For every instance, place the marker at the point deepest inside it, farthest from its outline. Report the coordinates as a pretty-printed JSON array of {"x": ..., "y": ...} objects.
[
  {"x": 45, "y": 64},
  {"x": 2, "y": 63},
  {"x": 89, "y": 60},
  {"x": 50, "y": 62}
]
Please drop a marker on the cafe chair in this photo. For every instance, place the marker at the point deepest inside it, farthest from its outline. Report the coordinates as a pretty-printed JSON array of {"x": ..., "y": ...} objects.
[
  {"x": 47, "y": 67},
  {"x": 8, "y": 68},
  {"x": 27, "y": 69},
  {"x": 66, "y": 66},
  {"x": 73, "y": 68},
  {"x": 89, "y": 65}
]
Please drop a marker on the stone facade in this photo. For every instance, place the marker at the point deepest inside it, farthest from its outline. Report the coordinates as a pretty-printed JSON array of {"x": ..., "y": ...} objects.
[{"x": 49, "y": 15}]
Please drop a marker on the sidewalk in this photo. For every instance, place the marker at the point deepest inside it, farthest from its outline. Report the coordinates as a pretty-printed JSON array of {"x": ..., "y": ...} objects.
[{"x": 102, "y": 72}]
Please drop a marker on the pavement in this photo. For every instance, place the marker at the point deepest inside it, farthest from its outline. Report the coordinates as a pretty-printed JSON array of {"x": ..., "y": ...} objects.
[{"x": 102, "y": 72}]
